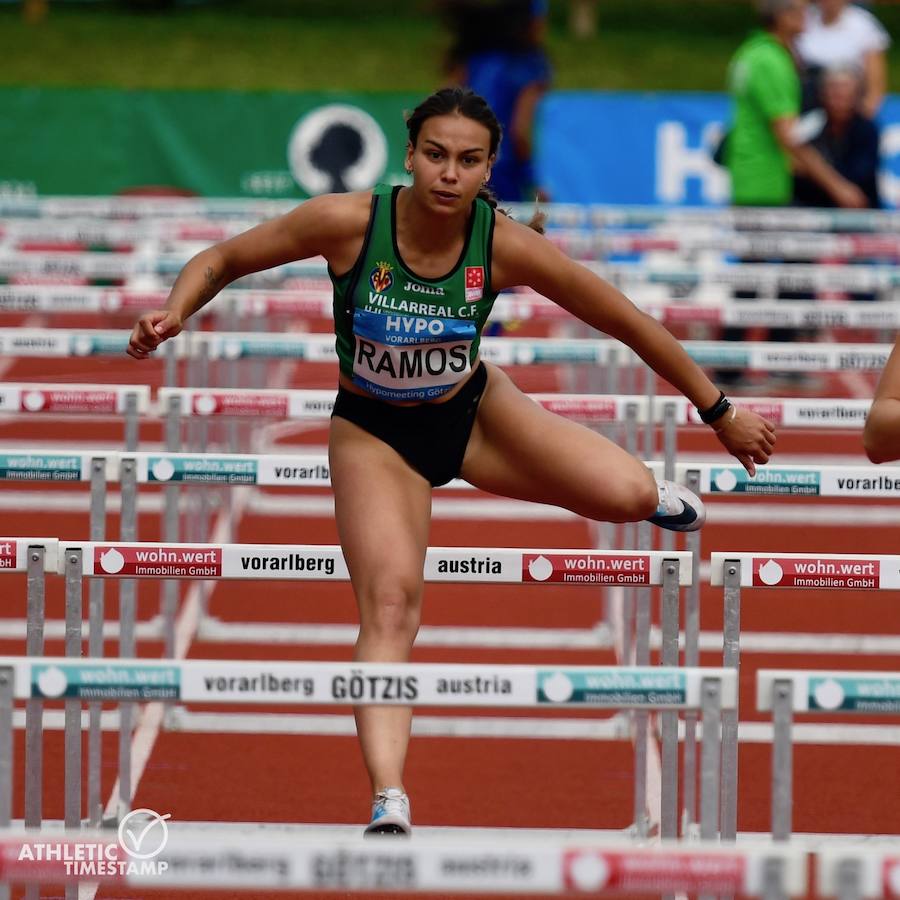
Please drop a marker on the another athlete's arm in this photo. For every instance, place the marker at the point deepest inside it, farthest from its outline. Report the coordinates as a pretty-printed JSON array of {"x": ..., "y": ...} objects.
[
  {"x": 316, "y": 227},
  {"x": 881, "y": 436},
  {"x": 521, "y": 256}
]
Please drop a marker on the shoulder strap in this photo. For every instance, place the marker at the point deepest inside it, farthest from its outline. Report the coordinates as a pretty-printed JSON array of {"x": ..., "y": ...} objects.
[{"x": 360, "y": 260}]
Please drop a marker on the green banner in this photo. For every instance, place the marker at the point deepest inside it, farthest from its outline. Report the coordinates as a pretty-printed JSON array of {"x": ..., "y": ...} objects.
[{"x": 209, "y": 143}]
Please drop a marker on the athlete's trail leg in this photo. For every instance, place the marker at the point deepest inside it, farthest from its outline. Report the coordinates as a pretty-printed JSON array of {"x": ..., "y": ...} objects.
[{"x": 383, "y": 513}]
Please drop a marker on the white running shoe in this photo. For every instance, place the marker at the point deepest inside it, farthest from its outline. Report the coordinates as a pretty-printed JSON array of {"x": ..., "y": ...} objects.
[
  {"x": 679, "y": 509},
  {"x": 390, "y": 813}
]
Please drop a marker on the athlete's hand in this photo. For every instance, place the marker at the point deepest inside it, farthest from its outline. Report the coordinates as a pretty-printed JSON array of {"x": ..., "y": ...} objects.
[
  {"x": 151, "y": 330},
  {"x": 749, "y": 437}
]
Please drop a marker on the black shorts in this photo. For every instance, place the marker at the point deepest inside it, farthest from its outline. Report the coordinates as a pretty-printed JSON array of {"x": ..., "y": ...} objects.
[{"x": 431, "y": 437}]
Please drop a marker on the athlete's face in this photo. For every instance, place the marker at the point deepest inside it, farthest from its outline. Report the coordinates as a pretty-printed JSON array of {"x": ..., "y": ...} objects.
[{"x": 450, "y": 162}]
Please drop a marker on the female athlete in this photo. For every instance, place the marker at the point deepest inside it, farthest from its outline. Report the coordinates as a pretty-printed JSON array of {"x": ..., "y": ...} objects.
[{"x": 415, "y": 272}]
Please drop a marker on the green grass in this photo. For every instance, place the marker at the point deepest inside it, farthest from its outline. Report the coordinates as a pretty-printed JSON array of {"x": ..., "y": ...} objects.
[{"x": 361, "y": 45}]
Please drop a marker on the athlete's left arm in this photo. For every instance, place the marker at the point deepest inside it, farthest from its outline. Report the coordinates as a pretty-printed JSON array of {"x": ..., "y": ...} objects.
[{"x": 523, "y": 257}]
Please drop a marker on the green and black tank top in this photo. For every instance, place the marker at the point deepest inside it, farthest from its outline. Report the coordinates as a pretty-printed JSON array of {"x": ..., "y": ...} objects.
[{"x": 403, "y": 337}]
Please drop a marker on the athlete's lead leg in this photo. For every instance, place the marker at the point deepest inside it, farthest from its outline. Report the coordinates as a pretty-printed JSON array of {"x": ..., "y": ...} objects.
[
  {"x": 383, "y": 514},
  {"x": 519, "y": 449}
]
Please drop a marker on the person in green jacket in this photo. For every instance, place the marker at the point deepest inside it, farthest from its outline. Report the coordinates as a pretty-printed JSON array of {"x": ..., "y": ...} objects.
[{"x": 765, "y": 145}]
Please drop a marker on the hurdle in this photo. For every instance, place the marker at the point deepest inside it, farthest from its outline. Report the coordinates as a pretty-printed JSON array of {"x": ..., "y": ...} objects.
[
  {"x": 560, "y": 866},
  {"x": 128, "y": 401},
  {"x": 735, "y": 571},
  {"x": 784, "y": 692},
  {"x": 705, "y": 306},
  {"x": 118, "y": 265},
  {"x": 582, "y": 243},
  {"x": 798, "y": 357},
  {"x": 214, "y": 681},
  {"x": 96, "y": 469},
  {"x": 670, "y": 570},
  {"x": 686, "y": 244},
  {"x": 570, "y": 214},
  {"x": 852, "y": 872}
]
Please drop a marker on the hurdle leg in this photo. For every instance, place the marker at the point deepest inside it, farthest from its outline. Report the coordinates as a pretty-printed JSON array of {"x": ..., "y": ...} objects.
[
  {"x": 849, "y": 880},
  {"x": 642, "y": 716},
  {"x": 170, "y": 588},
  {"x": 731, "y": 659},
  {"x": 132, "y": 422},
  {"x": 669, "y": 619},
  {"x": 202, "y": 515},
  {"x": 6, "y": 756},
  {"x": 34, "y": 707},
  {"x": 711, "y": 700},
  {"x": 611, "y": 597},
  {"x": 691, "y": 659},
  {"x": 711, "y": 708},
  {"x": 95, "y": 641},
  {"x": 74, "y": 573},
  {"x": 669, "y": 718},
  {"x": 782, "y": 760},
  {"x": 774, "y": 879},
  {"x": 127, "y": 617}
]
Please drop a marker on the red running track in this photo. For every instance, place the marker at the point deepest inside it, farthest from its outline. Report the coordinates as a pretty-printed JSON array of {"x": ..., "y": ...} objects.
[{"x": 501, "y": 782}]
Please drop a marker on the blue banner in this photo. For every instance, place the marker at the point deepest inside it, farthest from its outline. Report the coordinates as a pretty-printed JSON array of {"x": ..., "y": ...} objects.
[{"x": 655, "y": 148}]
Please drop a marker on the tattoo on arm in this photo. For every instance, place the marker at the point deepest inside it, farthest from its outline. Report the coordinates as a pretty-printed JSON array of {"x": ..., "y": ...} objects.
[{"x": 213, "y": 279}]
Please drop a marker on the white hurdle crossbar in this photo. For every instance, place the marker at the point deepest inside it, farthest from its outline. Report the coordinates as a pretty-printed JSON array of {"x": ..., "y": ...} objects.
[
  {"x": 560, "y": 866},
  {"x": 214, "y": 681},
  {"x": 797, "y": 357},
  {"x": 313, "y": 302},
  {"x": 596, "y": 409},
  {"x": 785, "y": 692}
]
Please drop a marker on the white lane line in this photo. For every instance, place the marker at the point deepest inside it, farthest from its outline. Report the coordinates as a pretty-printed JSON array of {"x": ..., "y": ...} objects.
[
  {"x": 597, "y": 638},
  {"x": 616, "y": 728}
]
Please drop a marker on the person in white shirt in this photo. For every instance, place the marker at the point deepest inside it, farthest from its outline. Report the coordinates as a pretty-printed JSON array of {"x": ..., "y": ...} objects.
[{"x": 839, "y": 34}]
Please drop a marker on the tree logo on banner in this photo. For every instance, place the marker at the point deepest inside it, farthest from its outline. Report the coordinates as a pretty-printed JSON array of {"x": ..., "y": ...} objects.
[{"x": 337, "y": 148}]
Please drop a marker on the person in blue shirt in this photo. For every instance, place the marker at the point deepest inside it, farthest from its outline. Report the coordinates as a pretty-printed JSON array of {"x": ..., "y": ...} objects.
[{"x": 498, "y": 52}]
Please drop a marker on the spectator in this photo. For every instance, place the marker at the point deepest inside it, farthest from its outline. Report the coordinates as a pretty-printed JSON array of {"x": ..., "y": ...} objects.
[
  {"x": 837, "y": 34},
  {"x": 498, "y": 52},
  {"x": 848, "y": 140},
  {"x": 762, "y": 150}
]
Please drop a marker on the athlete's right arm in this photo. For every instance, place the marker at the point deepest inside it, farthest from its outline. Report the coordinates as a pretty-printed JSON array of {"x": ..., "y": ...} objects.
[{"x": 320, "y": 226}]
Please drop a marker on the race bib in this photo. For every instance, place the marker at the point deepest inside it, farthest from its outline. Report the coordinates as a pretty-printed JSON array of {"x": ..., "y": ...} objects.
[{"x": 400, "y": 357}]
